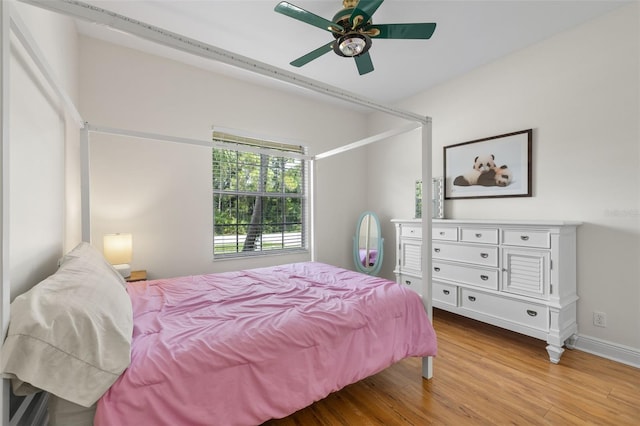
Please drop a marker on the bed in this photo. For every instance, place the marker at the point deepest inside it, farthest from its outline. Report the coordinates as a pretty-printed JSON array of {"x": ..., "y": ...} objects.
[
  {"x": 79, "y": 366},
  {"x": 233, "y": 348}
]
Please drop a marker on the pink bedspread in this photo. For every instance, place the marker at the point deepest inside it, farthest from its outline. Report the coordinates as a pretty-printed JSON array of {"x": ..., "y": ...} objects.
[{"x": 242, "y": 347}]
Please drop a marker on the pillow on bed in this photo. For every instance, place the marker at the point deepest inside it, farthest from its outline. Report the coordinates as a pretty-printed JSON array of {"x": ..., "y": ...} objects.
[
  {"x": 70, "y": 334},
  {"x": 92, "y": 256}
]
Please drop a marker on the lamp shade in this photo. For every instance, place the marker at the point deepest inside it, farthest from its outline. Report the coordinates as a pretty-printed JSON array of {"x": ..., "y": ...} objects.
[{"x": 118, "y": 248}]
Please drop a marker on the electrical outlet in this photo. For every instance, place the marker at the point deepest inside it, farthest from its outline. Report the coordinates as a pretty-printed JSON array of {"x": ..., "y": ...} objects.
[{"x": 599, "y": 319}]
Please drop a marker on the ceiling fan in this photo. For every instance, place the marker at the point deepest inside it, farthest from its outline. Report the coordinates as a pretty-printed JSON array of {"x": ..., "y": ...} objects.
[{"x": 353, "y": 31}]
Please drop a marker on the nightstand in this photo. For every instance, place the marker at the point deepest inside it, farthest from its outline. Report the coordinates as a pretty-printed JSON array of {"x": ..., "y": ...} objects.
[{"x": 137, "y": 276}]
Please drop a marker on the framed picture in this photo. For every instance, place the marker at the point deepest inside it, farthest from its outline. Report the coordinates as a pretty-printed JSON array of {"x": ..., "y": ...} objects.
[{"x": 499, "y": 166}]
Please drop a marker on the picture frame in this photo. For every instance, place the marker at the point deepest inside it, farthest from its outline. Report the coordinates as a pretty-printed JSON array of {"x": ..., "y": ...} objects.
[{"x": 497, "y": 166}]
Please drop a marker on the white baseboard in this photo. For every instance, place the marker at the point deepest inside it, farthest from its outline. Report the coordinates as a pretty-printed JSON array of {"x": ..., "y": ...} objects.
[{"x": 613, "y": 351}]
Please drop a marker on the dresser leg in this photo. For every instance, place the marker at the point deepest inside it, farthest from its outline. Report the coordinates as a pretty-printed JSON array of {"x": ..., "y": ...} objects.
[
  {"x": 571, "y": 341},
  {"x": 555, "y": 352}
]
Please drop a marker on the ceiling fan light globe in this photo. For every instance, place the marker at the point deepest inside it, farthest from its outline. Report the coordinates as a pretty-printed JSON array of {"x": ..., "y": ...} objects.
[{"x": 352, "y": 46}]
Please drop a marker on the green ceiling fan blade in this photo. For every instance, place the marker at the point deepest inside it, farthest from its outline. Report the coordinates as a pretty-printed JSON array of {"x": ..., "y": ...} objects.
[
  {"x": 353, "y": 31},
  {"x": 300, "y": 14},
  {"x": 402, "y": 31},
  {"x": 364, "y": 64},
  {"x": 303, "y": 60},
  {"x": 366, "y": 9}
]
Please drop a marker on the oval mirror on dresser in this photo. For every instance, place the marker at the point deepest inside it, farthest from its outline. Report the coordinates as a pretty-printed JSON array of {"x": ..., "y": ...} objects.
[{"x": 368, "y": 244}]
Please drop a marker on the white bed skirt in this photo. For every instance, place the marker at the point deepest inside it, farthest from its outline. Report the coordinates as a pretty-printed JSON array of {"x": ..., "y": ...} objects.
[{"x": 65, "y": 413}]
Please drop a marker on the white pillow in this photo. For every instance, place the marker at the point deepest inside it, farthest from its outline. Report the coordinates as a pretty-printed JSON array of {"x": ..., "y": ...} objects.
[
  {"x": 70, "y": 335},
  {"x": 93, "y": 256}
]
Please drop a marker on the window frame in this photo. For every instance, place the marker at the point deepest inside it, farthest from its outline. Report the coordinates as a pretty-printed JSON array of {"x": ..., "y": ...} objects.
[{"x": 237, "y": 141}]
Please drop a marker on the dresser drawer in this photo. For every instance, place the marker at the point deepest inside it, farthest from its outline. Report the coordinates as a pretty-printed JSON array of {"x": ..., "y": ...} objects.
[
  {"x": 479, "y": 235},
  {"x": 445, "y": 293},
  {"x": 517, "y": 311},
  {"x": 525, "y": 238},
  {"x": 479, "y": 277},
  {"x": 444, "y": 233},
  {"x": 413, "y": 283},
  {"x": 414, "y": 231},
  {"x": 479, "y": 255}
]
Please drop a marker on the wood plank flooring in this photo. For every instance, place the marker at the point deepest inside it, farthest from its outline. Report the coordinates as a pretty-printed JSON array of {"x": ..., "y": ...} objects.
[{"x": 485, "y": 376}]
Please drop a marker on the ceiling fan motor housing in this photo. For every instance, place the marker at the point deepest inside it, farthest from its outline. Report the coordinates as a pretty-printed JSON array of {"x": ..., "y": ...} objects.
[
  {"x": 342, "y": 18},
  {"x": 351, "y": 42}
]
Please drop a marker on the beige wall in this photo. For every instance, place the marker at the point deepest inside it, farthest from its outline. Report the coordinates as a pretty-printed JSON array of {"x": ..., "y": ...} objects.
[
  {"x": 161, "y": 192},
  {"x": 580, "y": 93}
]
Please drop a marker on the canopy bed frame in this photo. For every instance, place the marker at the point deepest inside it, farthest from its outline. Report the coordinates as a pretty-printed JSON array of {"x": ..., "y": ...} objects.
[{"x": 12, "y": 24}]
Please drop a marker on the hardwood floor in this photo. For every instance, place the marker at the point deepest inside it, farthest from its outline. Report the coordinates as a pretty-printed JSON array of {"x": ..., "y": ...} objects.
[{"x": 485, "y": 376}]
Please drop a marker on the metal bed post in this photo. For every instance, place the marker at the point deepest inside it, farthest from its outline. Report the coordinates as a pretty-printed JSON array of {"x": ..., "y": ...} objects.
[
  {"x": 5, "y": 51},
  {"x": 427, "y": 214},
  {"x": 85, "y": 180}
]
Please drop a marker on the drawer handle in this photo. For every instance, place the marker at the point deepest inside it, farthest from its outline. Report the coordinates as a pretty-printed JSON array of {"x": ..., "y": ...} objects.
[
  {"x": 446, "y": 292},
  {"x": 531, "y": 313},
  {"x": 472, "y": 298},
  {"x": 442, "y": 233},
  {"x": 411, "y": 231},
  {"x": 484, "y": 277},
  {"x": 524, "y": 237},
  {"x": 437, "y": 250},
  {"x": 407, "y": 282},
  {"x": 484, "y": 255},
  {"x": 436, "y": 269},
  {"x": 478, "y": 235}
]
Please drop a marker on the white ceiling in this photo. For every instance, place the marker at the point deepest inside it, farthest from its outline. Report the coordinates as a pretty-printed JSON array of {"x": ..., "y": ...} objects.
[{"x": 468, "y": 34}]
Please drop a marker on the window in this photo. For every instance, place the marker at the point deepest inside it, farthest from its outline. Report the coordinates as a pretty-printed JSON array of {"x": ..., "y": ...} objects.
[{"x": 259, "y": 196}]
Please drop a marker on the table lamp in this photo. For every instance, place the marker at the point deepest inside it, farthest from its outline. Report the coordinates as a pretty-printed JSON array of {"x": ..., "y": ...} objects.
[{"x": 118, "y": 252}]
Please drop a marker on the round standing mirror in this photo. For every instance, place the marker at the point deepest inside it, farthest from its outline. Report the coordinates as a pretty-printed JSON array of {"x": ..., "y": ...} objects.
[{"x": 367, "y": 244}]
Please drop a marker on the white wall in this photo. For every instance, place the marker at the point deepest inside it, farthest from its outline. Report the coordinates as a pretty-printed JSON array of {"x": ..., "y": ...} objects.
[
  {"x": 161, "y": 192},
  {"x": 40, "y": 140},
  {"x": 38, "y": 130},
  {"x": 580, "y": 92}
]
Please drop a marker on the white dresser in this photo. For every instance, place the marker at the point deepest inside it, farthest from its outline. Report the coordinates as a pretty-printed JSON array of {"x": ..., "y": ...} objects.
[{"x": 519, "y": 275}]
